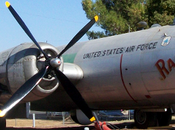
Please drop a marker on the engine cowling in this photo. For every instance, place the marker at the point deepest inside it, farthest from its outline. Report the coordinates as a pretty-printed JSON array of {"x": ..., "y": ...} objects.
[{"x": 19, "y": 64}]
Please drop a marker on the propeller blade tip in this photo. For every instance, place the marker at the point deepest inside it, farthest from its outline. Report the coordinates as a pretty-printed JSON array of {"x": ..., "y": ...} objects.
[
  {"x": 2, "y": 114},
  {"x": 92, "y": 119},
  {"x": 7, "y": 4},
  {"x": 96, "y": 18}
]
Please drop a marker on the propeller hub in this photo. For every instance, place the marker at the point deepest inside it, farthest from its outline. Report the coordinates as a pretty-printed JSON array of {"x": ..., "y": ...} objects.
[{"x": 55, "y": 62}]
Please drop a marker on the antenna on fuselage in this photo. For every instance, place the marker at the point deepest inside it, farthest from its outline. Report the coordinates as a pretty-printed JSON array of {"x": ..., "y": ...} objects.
[
  {"x": 174, "y": 21},
  {"x": 141, "y": 25}
]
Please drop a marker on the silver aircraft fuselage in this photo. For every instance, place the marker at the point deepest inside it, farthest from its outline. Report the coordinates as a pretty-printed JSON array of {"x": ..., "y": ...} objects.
[{"x": 133, "y": 70}]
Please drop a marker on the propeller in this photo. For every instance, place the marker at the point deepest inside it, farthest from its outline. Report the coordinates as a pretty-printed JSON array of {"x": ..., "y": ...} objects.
[
  {"x": 79, "y": 35},
  {"x": 53, "y": 64}
]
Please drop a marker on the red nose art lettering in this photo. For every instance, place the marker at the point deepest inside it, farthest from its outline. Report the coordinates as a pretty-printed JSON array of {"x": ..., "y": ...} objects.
[
  {"x": 164, "y": 72},
  {"x": 171, "y": 64},
  {"x": 160, "y": 64}
]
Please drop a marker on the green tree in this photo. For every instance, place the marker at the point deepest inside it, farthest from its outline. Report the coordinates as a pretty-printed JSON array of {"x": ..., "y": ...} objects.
[
  {"x": 114, "y": 15},
  {"x": 95, "y": 35},
  {"x": 160, "y": 11}
]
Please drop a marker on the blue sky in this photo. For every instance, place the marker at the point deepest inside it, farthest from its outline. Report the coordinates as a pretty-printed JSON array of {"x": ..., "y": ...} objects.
[{"x": 54, "y": 21}]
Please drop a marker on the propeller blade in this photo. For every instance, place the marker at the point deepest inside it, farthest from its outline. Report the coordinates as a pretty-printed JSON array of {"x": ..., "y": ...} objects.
[
  {"x": 23, "y": 91},
  {"x": 24, "y": 27},
  {"x": 79, "y": 35},
  {"x": 74, "y": 94}
]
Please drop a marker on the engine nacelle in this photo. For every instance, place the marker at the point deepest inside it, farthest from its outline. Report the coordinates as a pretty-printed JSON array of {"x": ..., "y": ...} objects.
[
  {"x": 79, "y": 117},
  {"x": 19, "y": 64}
]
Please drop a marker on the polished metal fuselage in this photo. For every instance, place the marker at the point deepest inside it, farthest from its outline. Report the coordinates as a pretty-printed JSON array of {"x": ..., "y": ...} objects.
[{"x": 133, "y": 70}]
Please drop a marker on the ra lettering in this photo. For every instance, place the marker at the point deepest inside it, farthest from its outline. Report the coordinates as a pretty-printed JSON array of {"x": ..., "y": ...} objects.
[{"x": 160, "y": 64}]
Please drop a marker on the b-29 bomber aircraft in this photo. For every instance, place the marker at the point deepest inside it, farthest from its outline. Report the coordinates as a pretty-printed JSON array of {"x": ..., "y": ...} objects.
[{"x": 128, "y": 71}]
